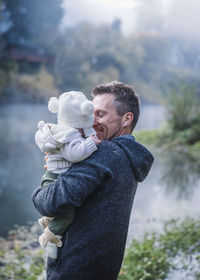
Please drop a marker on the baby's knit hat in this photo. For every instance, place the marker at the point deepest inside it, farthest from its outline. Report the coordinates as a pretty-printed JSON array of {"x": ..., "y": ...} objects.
[{"x": 73, "y": 109}]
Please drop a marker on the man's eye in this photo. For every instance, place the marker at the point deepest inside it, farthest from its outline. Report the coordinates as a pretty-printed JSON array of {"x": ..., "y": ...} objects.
[{"x": 100, "y": 114}]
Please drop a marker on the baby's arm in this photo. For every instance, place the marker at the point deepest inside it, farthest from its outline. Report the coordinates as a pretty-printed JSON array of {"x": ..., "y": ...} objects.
[
  {"x": 80, "y": 148},
  {"x": 61, "y": 223}
]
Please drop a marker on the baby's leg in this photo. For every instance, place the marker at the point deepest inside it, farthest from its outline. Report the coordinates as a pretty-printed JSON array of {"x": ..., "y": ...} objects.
[
  {"x": 60, "y": 224},
  {"x": 57, "y": 226},
  {"x": 48, "y": 178}
]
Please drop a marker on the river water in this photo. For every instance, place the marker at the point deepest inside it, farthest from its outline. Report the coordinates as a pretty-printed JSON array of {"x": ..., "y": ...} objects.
[{"x": 171, "y": 190}]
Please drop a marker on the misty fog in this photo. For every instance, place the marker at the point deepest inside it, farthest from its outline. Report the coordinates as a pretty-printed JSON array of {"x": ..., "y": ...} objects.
[{"x": 178, "y": 18}]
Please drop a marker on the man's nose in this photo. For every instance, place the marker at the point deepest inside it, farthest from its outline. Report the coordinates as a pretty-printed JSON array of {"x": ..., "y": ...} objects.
[{"x": 96, "y": 120}]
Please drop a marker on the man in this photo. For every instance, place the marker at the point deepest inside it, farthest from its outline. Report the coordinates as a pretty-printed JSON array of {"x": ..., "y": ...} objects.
[{"x": 102, "y": 188}]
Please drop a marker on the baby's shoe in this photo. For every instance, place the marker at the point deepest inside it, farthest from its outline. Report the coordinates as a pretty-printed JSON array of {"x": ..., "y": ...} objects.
[
  {"x": 44, "y": 221},
  {"x": 51, "y": 249},
  {"x": 49, "y": 236}
]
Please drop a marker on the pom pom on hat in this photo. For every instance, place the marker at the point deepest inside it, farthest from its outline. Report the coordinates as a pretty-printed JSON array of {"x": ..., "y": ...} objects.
[
  {"x": 53, "y": 105},
  {"x": 87, "y": 108}
]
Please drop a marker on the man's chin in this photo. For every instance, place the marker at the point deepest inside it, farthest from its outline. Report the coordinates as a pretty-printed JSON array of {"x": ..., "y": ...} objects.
[
  {"x": 101, "y": 132},
  {"x": 100, "y": 135}
]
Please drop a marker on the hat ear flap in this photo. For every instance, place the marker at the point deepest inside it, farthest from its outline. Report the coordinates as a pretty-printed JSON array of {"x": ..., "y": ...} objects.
[
  {"x": 87, "y": 108},
  {"x": 53, "y": 105},
  {"x": 41, "y": 125}
]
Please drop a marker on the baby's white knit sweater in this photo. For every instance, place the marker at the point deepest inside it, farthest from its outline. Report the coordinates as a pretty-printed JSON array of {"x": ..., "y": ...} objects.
[{"x": 65, "y": 145}]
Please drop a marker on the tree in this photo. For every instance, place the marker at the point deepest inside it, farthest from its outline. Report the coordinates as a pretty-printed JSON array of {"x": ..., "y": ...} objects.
[
  {"x": 183, "y": 106},
  {"x": 87, "y": 55},
  {"x": 33, "y": 22}
]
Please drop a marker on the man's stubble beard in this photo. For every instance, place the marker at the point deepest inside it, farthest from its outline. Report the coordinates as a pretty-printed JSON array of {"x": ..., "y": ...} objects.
[{"x": 102, "y": 132}]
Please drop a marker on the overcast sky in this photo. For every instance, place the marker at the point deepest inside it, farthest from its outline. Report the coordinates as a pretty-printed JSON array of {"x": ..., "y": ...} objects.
[
  {"x": 179, "y": 16},
  {"x": 100, "y": 11},
  {"x": 104, "y": 11}
]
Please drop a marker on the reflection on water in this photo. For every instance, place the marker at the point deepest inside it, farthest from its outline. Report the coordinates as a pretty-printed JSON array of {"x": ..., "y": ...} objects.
[
  {"x": 180, "y": 174},
  {"x": 172, "y": 190},
  {"x": 21, "y": 163},
  {"x": 21, "y": 166}
]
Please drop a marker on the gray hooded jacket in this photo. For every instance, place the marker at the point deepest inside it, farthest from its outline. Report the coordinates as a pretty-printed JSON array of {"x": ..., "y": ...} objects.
[{"x": 102, "y": 188}]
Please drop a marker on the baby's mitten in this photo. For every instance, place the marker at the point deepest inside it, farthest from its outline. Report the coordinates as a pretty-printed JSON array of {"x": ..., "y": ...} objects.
[{"x": 49, "y": 146}]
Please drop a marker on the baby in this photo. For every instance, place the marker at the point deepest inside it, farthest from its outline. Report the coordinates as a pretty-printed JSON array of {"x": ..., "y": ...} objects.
[{"x": 72, "y": 140}]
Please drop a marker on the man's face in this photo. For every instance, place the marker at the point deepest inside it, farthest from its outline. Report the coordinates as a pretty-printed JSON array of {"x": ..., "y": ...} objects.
[{"x": 107, "y": 123}]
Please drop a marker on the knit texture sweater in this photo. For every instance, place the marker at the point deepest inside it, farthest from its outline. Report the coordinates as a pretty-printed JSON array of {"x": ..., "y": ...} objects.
[
  {"x": 64, "y": 145},
  {"x": 102, "y": 188}
]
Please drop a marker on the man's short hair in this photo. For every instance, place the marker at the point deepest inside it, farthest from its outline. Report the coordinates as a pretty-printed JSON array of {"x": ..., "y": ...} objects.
[{"x": 125, "y": 98}]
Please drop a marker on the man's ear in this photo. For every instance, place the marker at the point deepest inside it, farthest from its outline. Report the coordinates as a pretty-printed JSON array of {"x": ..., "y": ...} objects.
[{"x": 127, "y": 119}]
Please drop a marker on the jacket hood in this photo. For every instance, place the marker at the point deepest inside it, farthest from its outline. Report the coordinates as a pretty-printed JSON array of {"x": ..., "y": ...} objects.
[{"x": 139, "y": 157}]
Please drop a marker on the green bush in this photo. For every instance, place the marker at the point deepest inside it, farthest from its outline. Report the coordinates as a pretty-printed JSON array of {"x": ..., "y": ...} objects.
[
  {"x": 145, "y": 260},
  {"x": 183, "y": 107},
  {"x": 8, "y": 71},
  {"x": 158, "y": 137},
  {"x": 147, "y": 136},
  {"x": 154, "y": 257},
  {"x": 195, "y": 150},
  {"x": 181, "y": 236},
  {"x": 25, "y": 266},
  {"x": 183, "y": 123},
  {"x": 36, "y": 88}
]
